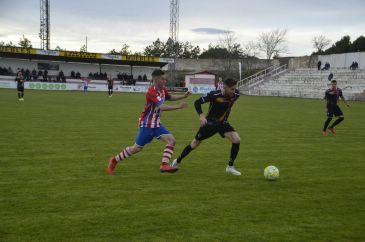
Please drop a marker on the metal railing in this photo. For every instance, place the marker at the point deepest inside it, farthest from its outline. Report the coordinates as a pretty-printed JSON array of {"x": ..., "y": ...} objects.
[{"x": 258, "y": 77}]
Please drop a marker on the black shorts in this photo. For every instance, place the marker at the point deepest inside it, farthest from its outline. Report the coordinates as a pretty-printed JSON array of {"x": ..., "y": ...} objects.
[
  {"x": 333, "y": 110},
  {"x": 20, "y": 88},
  {"x": 211, "y": 129},
  {"x": 110, "y": 87}
]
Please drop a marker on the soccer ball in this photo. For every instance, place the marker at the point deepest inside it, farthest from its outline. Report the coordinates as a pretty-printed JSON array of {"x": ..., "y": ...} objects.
[{"x": 271, "y": 173}]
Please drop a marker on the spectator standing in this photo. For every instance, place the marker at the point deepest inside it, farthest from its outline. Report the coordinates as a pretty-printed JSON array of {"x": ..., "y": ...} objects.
[{"x": 319, "y": 65}]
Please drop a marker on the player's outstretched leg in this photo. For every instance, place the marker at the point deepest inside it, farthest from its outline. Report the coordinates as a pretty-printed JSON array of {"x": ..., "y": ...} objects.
[
  {"x": 194, "y": 144},
  {"x": 235, "y": 139},
  {"x": 332, "y": 127},
  {"x": 326, "y": 123},
  {"x": 113, "y": 161},
  {"x": 167, "y": 153}
]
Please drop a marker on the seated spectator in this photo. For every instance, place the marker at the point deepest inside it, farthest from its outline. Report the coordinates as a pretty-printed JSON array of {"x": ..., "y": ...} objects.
[
  {"x": 61, "y": 77},
  {"x": 78, "y": 75},
  {"x": 356, "y": 65},
  {"x": 34, "y": 74},
  {"x": 27, "y": 75},
  {"x": 10, "y": 71},
  {"x": 145, "y": 77},
  {"x": 90, "y": 75},
  {"x": 40, "y": 73},
  {"x": 352, "y": 67},
  {"x": 330, "y": 76},
  {"x": 326, "y": 66},
  {"x": 45, "y": 75},
  {"x": 73, "y": 74}
]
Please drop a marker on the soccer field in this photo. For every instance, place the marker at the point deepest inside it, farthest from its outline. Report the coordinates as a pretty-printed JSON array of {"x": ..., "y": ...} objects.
[{"x": 54, "y": 186}]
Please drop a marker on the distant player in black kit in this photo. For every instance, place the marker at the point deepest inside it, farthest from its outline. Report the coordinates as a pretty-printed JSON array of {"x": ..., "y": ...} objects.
[
  {"x": 20, "y": 85},
  {"x": 331, "y": 99},
  {"x": 110, "y": 82},
  {"x": 221, "y": 102}
]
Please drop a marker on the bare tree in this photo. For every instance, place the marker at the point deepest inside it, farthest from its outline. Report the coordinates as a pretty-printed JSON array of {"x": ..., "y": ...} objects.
[
  {"x": 249, "y": 53},
  {"x": 273, "y": 43},
  {"x": 228, "y": 42},
  {"x": 320, "y": 42},
  {"x": 25, "y": 42},
  {"x": 58, "y": 48},
  {"x": 125, "y": 50},
  {"x": 83, "y": 48}
]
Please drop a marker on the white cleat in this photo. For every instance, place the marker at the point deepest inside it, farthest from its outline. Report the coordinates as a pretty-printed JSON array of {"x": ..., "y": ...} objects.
[
  {"x": 174, "y": 163},
  {"x": 232, "y": 170}
]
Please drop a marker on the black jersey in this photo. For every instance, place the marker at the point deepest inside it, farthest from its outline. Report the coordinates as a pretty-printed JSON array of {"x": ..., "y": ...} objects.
[
  {"x": 19, "y": 82},
  {"x": 332, "y": 96},
  {"x": 110, "y": 83},
  {"x": 220, "y": 105}
]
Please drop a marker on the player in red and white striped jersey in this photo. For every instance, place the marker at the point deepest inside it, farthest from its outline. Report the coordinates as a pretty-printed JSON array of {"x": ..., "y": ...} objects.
[
  {"x": 149, "y": 123},
  {"x": 220, "y": 84}
]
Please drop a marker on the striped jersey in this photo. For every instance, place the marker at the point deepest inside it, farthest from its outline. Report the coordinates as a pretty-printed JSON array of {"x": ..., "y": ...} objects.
[
  {"x": 220, "y": 85},
  {"x": 332, "y": 96},
  {"x": 219, "y": 105},
  {"x": 150, "y": 117}
]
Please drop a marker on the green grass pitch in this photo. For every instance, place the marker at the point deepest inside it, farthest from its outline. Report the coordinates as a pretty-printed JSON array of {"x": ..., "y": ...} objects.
[{"x": 54, "y": 148}]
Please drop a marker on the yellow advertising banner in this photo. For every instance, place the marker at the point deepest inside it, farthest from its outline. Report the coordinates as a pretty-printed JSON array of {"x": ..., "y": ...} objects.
[
  {"x": 83, "y": 55},
  {"x": 76, "y": 54},
  {"x": 140, "y": 58},
  {"x": 17, "y": 50}
]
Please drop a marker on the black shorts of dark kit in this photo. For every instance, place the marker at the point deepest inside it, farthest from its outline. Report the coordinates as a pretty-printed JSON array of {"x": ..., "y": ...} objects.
[
  {"x": 334, "y": 110},
  {"x": 211, "y": 128}
]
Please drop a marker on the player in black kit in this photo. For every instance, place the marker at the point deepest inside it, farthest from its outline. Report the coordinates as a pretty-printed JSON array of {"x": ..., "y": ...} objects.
[
  {"x": 20, "y": 85},
  {"x": 331, "y": 99},
  {"x": 110, "y": 82},
  {"x": 221, "y": 102}
]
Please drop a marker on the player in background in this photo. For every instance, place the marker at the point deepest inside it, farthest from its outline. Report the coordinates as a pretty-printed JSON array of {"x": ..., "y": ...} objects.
[
  {"x": 86, "y": 84},
  {"x": 331, "y": 99},
  {"x": 150, "y": 126},
  {"x": 220, "y": 84},
  {"x": 216, "y": 121},
  {"x": 110, "y": 83},
  {"x": 20, "y": 85}
]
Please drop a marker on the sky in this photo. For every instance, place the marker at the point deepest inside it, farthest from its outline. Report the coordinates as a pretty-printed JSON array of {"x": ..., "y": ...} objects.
[{"x": 110, "y": 23}]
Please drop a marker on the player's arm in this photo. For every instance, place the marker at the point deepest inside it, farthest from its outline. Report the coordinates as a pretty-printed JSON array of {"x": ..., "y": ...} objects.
[
  {"x": 165, "y": 107},
  {"x": 325, "y": 101},
  {"x": 198, "y": 107},
  {"x": 325, "y": 105},
  {"x": 152, "y": 97},
  {"x": 344, "y": 100},
  {"x": 179, "y": 97}
]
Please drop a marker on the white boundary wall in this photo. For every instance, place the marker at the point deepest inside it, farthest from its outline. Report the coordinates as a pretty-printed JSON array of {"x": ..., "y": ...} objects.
[
  {"x": 72, "y": 86},
  {"x": 343, "y": 60}
]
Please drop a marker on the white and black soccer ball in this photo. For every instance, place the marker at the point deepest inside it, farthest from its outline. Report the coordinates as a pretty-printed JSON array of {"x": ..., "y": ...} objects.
[{"x": 271, "y": 173}]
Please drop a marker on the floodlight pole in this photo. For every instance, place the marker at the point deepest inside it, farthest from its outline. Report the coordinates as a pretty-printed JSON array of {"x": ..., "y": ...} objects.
[
  {"x": 174, "y": 35},
  {"x": 44, "y": 33}
]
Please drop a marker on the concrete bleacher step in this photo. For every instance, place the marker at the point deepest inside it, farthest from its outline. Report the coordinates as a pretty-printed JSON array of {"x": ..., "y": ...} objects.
[{"x": 311, "y": 83}]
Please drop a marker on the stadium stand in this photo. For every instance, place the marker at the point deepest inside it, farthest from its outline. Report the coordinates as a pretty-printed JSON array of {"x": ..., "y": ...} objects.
[{"x": 308, "y": 83}]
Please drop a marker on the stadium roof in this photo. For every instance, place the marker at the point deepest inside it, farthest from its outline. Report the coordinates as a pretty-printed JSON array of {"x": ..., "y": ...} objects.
[{"x": 83, "y": 57}]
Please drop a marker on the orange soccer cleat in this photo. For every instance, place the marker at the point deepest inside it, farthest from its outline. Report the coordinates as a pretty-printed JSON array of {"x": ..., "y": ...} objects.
[
  {"x": 164, "y": 167},
  {"x": 333, "y": 131},
  {"x": 111, "y": 166}
]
